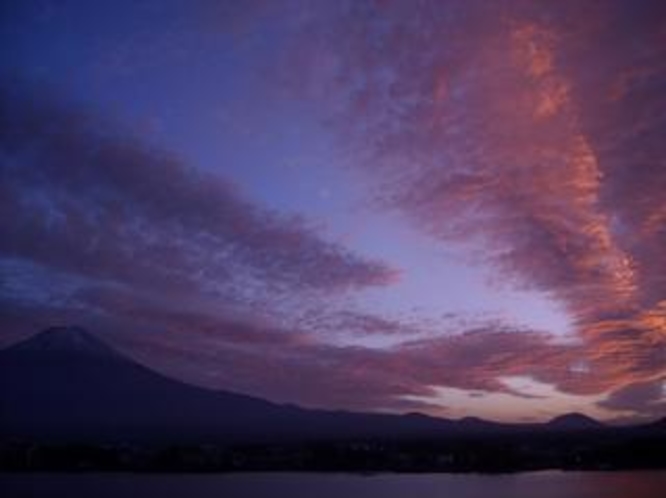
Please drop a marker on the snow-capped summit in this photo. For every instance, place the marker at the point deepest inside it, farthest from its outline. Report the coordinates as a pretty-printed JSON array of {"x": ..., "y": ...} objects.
[{"x": 66, "y": 340}]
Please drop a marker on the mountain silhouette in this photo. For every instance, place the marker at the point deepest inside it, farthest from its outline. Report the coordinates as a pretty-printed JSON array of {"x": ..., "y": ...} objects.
[
  {"x": 67, "y": 341},
  {"x": 574, "y": 421},
  {"x": 67, "y": 384}
]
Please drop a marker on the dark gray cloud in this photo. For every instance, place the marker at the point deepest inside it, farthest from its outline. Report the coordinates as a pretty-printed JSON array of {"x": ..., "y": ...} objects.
[
  {"x": 79, "y": 197},
  {"x": 645, "y": 399}
]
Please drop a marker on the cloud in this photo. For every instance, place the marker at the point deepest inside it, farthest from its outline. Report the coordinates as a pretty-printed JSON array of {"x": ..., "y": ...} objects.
[
  {"x": 304, "y": 366},
  {"x": 219, "y": 347},
  {"x": 78, "y": 196},
  {"x": 648, "y": 399},
  {"x": 297, "y": 366},
  {"x": 105, "y": 231},
  {"x": 304, "y": 362},
  {"x": 529, "y": 136}
]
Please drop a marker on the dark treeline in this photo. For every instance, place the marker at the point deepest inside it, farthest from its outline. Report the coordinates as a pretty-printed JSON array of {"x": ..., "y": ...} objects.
[{"x": 593, "y": 450}]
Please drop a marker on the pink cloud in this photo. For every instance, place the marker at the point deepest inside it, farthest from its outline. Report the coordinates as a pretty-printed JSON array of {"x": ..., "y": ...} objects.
[{"x": 529, "y": 134}]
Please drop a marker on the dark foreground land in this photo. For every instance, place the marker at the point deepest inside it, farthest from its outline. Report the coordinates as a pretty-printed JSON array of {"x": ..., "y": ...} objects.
[{"x": 606, "y": 449}]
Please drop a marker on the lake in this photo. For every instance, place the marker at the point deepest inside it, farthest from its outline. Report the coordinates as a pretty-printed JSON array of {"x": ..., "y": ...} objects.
[{"x": 549, "y": 484}]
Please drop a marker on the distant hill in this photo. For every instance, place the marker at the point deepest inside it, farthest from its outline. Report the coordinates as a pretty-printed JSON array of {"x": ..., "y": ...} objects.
[{"x": 574, "y": 421}]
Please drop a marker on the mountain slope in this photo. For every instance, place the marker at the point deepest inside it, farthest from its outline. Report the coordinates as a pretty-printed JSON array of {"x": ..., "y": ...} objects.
[{"x": 64, "y": 384}]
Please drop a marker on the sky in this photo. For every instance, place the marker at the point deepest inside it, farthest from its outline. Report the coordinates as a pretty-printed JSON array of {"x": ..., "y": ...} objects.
[{"x": 454, "y": 207}]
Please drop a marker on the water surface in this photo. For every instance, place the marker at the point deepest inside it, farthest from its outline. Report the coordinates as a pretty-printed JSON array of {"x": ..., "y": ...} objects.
[{"x": 551, "y": 484}]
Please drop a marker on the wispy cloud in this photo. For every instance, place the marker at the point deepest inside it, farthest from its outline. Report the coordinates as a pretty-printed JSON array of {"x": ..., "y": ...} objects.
[
  {"x": 79, "y": 197},
  {"x": 528, "y": 134}
]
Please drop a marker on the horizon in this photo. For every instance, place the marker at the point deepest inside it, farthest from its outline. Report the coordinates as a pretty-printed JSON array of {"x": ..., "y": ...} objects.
[
  {"x": 79, "y": 342},
  {"x": 453, "y": 208},
  {"x": 76, "y": 340}
]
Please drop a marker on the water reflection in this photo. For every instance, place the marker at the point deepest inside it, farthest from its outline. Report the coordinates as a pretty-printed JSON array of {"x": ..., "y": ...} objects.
[{"x": 635, "y": 484}]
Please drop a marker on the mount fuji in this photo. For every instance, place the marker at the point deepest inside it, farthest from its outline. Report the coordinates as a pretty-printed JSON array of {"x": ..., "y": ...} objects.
[{"x": 66, "y": 384}]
